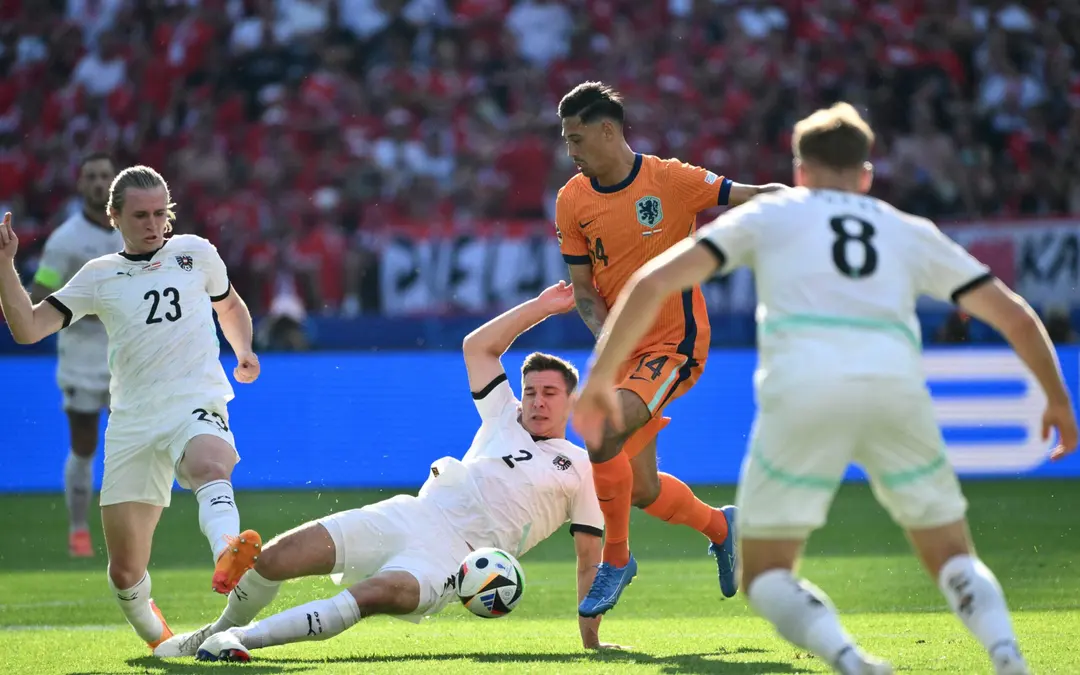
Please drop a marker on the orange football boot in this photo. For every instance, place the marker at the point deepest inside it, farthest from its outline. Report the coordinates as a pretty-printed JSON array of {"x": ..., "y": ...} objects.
[
  {"x": 79, "y": 545},
  {"x": 166, "y": 632},
  {"x": 238, "y": 558}
]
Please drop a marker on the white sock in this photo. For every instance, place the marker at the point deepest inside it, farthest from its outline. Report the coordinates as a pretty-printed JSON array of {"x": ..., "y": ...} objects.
[
  {"x": 218, "y": 517},
  {"x": 252, "y": 594},
  {"x": 805, "y": 617},
  {"x": 974, "y": 595},
  {"x": 78, "y": 489},
  {"x": 319, "y": 620},
  {"x": 135, "y": 604}
]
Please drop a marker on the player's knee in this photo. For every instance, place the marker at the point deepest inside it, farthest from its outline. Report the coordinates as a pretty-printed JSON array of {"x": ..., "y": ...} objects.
[
  {"x": 275, "y": 562},
  {"x": 84, "y": 433},
  {"x": 200, "y": 470},
  {"x": 124, "y": 575},
  {"x": 394, "y": 593}
]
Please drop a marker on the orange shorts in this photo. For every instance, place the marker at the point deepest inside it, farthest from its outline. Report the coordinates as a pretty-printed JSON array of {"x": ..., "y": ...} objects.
[{"x": 660, "y": 376}]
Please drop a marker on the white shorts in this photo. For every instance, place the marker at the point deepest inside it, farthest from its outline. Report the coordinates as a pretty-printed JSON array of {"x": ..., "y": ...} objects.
[
  {"x": 804, "y": 440},
  {"x": 403, "y": 533},
  {"x": 140, "y": 464},
  {"x": 85, "y": 401}
]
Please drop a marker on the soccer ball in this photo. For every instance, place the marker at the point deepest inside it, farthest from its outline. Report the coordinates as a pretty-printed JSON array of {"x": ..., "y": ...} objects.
[{"x": 490, "y": 583}]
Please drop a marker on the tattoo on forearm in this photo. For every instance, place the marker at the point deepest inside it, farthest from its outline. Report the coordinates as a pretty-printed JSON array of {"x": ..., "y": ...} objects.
[{"x": 592, "y": 314}]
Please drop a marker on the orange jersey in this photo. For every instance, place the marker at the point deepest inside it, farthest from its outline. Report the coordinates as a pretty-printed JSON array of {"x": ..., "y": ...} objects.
[{"x": 617, "y": 229}]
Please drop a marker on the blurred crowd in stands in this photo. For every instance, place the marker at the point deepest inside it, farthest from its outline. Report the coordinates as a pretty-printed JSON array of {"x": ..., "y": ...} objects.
[{"x": 295, "y": 132}]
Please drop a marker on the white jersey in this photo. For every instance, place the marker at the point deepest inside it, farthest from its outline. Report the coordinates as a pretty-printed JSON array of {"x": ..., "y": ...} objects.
[
  {"x": 526, "y": 488},
  {"x": 163, "y": 344},
  {"x": 838, "y": 275},
  {"x": 82, "y": 351}
]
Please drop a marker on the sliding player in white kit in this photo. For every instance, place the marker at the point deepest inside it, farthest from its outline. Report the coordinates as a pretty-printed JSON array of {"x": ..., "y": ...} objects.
[
  {"x": 840, "y": 380},
  {"x": 82, "y": 370},
  {"x": 519, "y": 482},
  {"x": 157, "y": 300}
]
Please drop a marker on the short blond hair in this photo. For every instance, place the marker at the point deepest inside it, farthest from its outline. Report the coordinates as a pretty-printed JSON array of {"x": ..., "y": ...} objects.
[
  {"x": 836, "y": 138},
  {"x": 141, "y": 178}
]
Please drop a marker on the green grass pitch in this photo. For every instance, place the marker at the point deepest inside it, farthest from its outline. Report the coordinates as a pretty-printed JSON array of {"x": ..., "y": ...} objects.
[{"x": 56, "y": 615}]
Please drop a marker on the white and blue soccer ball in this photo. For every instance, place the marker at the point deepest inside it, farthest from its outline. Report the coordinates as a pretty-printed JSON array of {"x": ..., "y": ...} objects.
[{"x": 490, "y": 583}]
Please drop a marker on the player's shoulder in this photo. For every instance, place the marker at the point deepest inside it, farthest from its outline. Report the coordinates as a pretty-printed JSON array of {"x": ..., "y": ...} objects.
[
  {"x": 67, "y": 231},
  {"x": 103, "y": 264},
  {"x": 574, "y": 454},
  {"x": 573, "y": 188},
  {"x": 890, "y": 216},
  {"x": 189, "y": 242}
]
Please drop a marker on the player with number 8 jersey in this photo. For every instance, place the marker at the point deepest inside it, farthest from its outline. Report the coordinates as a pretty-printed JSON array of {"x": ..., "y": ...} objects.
[{"x": 169, "y": 393}]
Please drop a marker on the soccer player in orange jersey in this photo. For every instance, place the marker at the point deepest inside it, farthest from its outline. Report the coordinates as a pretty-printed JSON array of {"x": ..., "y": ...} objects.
[{"x": 622, "y": 210}]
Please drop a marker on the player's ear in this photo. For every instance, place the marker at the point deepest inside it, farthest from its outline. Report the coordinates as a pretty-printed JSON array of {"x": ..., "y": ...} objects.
[
  {"x": 798, "y": 173},
  {"x": 867, "y": 177}
]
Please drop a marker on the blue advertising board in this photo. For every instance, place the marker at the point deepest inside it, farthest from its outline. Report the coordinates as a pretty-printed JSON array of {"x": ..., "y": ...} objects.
[{"x": 379, "y": 419}]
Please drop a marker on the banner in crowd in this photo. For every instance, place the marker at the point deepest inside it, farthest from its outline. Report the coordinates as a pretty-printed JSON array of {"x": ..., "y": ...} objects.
[
  {"x": 1040, "y": 258},
  {"x": 477, "y": 273},
  {"x": 364, "y": 420},
  {"x": 433, "y": 273}
]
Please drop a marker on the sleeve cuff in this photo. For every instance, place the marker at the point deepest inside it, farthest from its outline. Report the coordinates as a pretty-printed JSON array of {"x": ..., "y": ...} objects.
[
  {"x": 576, "y": 259},
  {"x": 725, "y": 192},
  {"x": 586, "y": 529},
  {"x": 482, "y": 394},
  {"x": 219, "y": 298},
  {"x": 970, "y": 286},
  {"x": 711, "y": 247},
  {"x": 62, "y": 308}
]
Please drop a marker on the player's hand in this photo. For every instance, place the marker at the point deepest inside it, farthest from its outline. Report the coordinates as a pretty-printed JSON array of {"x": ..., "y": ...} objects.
[
  {"x": 596, "y": 407},
  {"x": 9, "y": 243},
  {"x": 1060, "y": 417},
  {"x": 557, "y": 299},
  {"x": 247, "y": 368},
  {"x": 771, "y": 187},
  {"x": 590, "y": 635}
]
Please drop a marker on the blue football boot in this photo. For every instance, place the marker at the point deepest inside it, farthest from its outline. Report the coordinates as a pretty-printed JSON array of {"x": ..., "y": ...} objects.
[
  {"x": 606, "y": 588},
  {"x": 726, "y": 557}
]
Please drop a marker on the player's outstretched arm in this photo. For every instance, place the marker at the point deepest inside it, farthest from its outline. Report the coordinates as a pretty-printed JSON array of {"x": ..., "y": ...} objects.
[
  {"x": 235, "y": 319},
  {"x": 994, "y": 304},
  {"x": 741, "y": 193},
  {"x": 680, "y": 267},
  {"x": 590, "y": 304},
  {"x": 28, "y": 323},
  {"x": 485, "y": 346}
]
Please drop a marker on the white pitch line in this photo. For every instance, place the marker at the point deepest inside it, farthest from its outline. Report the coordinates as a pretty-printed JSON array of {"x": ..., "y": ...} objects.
[
  {"x": 87, "y": 627},
  {"x": 48, "y": 603}
]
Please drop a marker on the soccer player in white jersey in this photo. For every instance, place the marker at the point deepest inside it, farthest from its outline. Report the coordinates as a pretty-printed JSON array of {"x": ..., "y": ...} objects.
[
  {"x": 840, "y": 380},
  {"x": 518, "y": 483},
  {"x": 82, "y": 364},
  {"x": 157, "y": 298}
]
